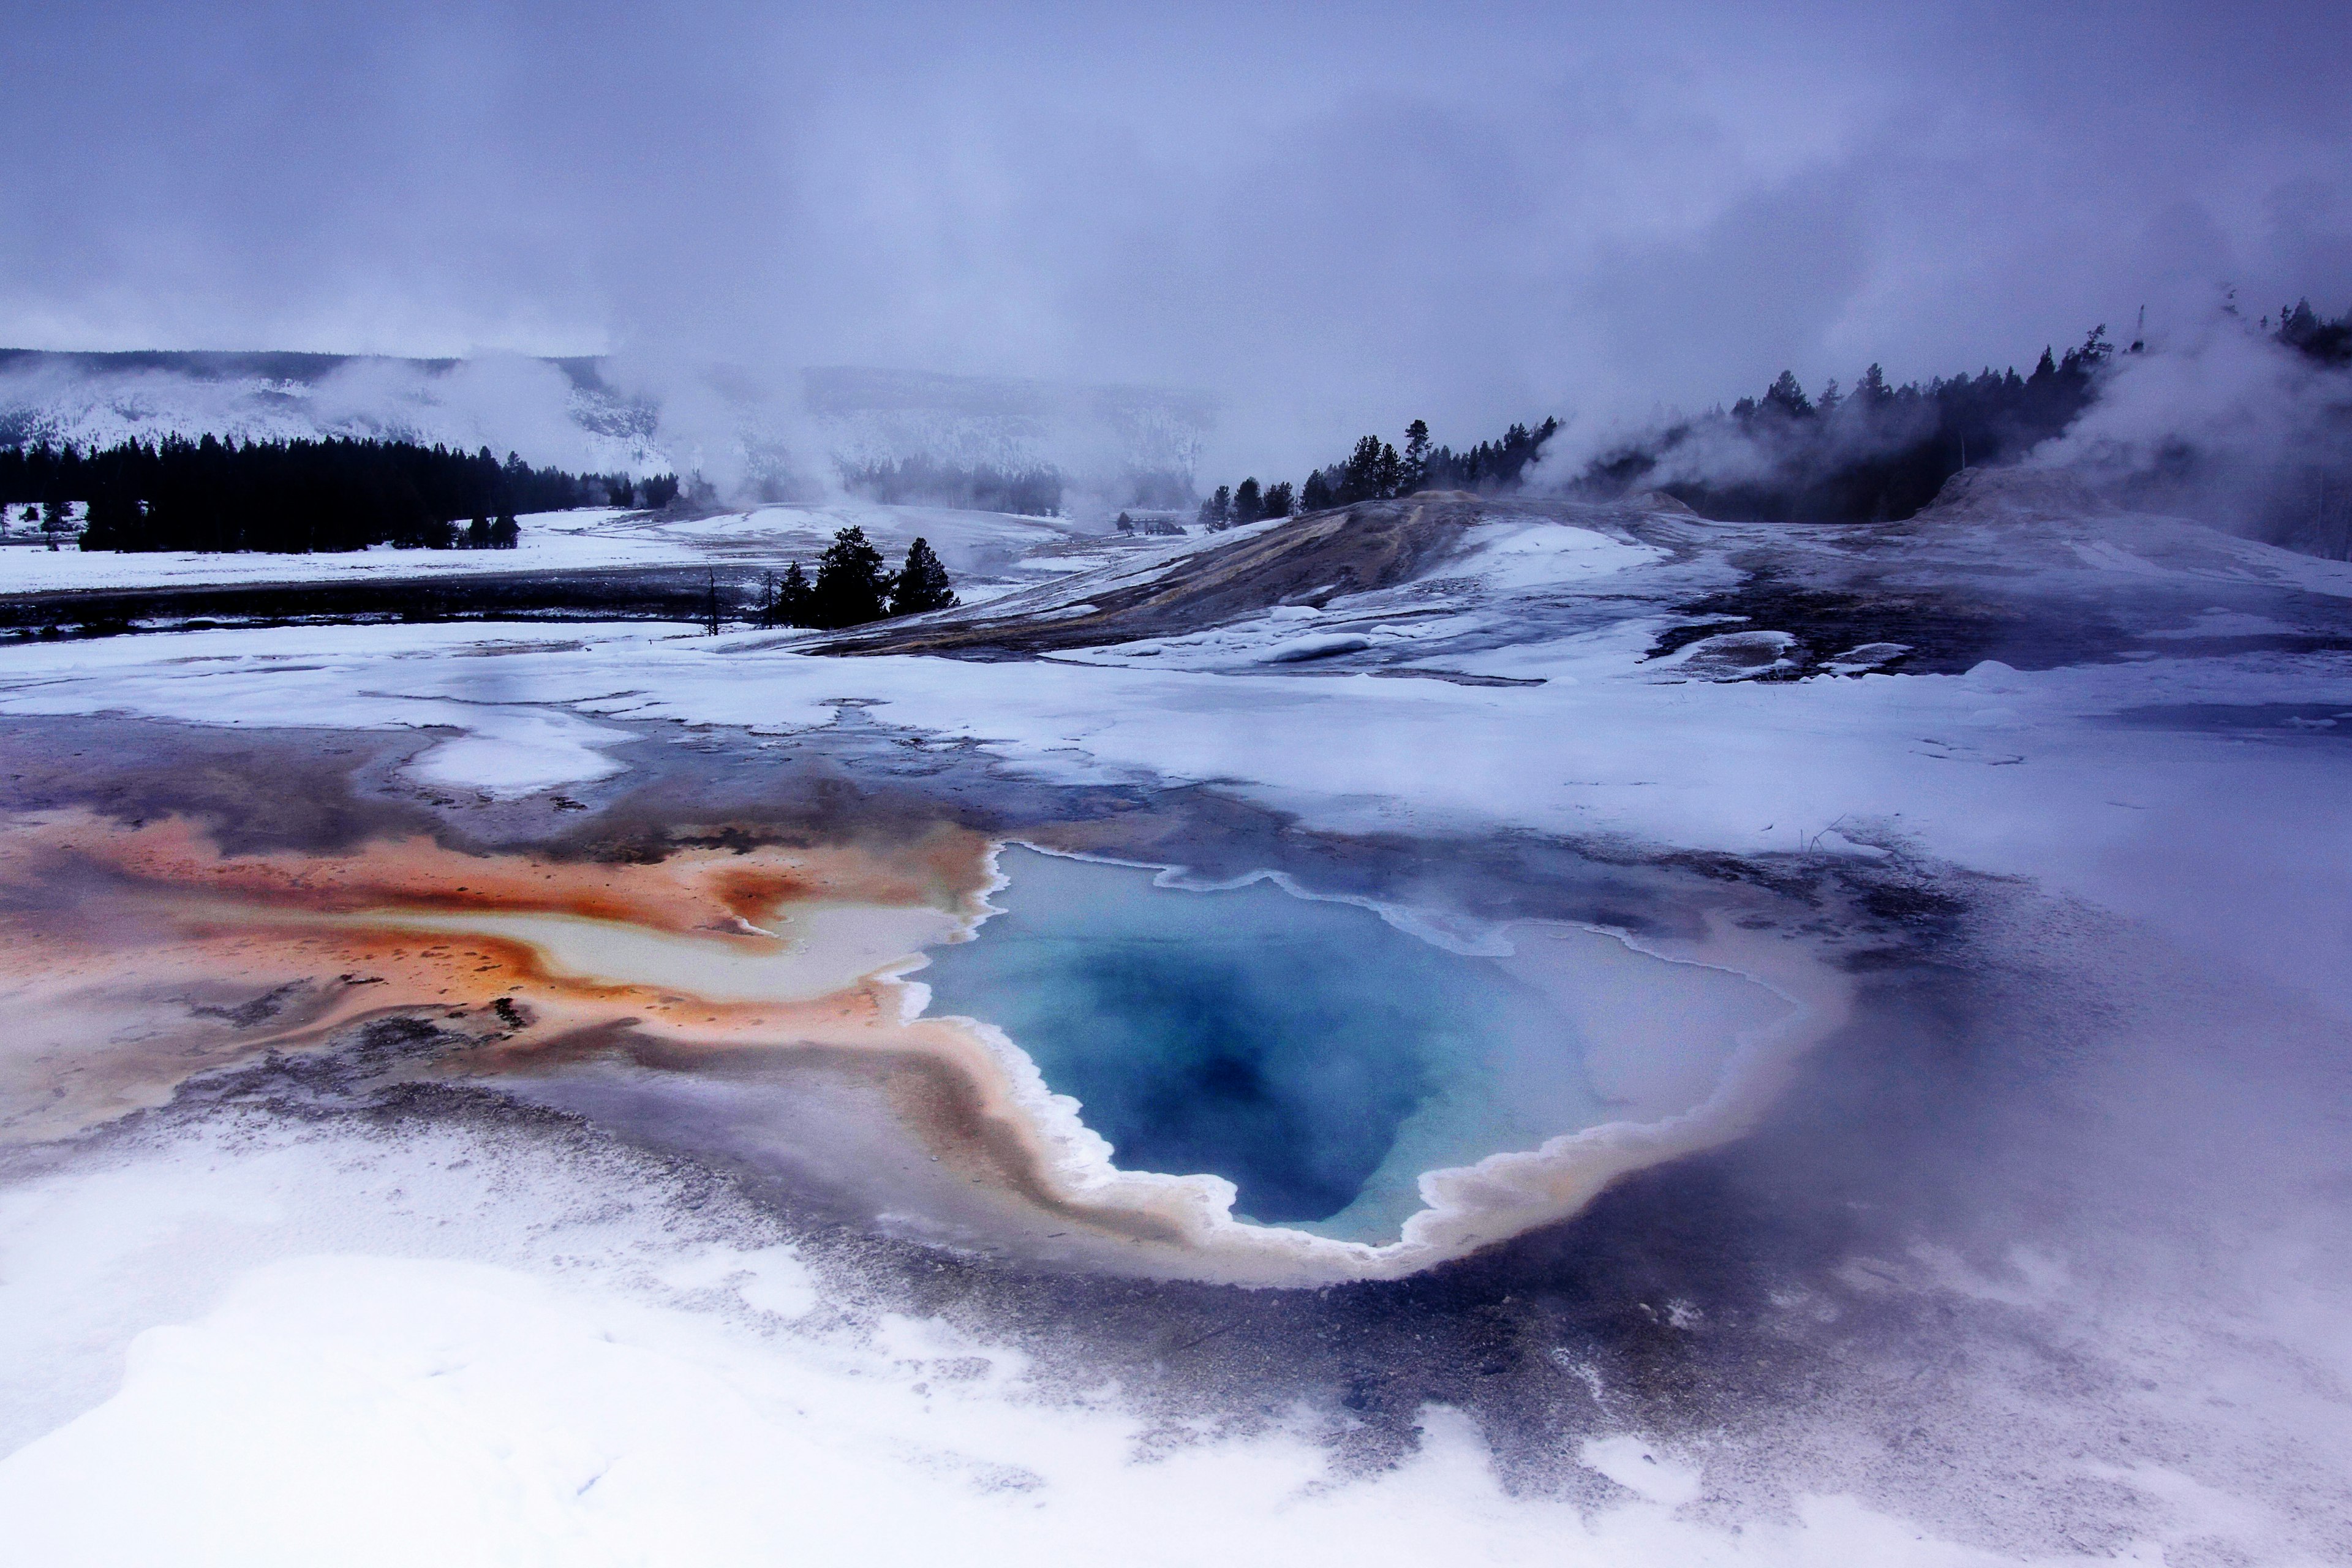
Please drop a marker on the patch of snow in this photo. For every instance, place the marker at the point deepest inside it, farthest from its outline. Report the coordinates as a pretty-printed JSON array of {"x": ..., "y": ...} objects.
[
  {"x": 1516, "y": 555},
  {"x": 1870, "y": 655},
  {"x": 1732, "y": 656}
]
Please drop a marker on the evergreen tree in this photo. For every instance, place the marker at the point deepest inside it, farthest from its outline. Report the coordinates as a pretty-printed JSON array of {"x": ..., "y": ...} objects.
[
  {"x": 504, "y": 535},
  {"x": 922, "y": 584},
  {"x": 1787, "y": 396},
  {"x": 112, "y": 516},
  {"x": 851, "y": 587},
  {"x": 477, "y": 532},
  {"x": 793, "y": 594},
  {"x": 620, "y": 491},
  {"x": 2315, "y": 337},
  {"x": 1248, "y": 504},
  {"x": 1276, "y": 501},
  {"x": 1315, "y": 494},
  {"x": 1416, "y": 458},
  {"x": 1359, "y": 478}
]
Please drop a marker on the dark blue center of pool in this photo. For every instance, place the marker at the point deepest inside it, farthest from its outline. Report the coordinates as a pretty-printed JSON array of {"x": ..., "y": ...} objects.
[{"x": 1276, "y": 1041}]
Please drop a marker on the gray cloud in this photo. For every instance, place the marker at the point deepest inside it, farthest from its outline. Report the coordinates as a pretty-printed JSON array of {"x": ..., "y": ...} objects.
[{"x": 1334, "y": 217}]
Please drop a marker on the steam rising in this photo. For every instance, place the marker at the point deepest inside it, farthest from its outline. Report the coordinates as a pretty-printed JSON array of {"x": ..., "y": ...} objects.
[
  {"x": 2228, "y": 427},
  {"x": 1474, "y": 217}
]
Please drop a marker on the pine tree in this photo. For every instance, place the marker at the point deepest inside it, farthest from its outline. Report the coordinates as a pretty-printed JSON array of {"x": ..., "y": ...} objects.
[
  {"x": 1315, "y": 494},
  {"x": 793, "y": 598},
  {"x": 1360, "y": 478},
  {"x": 1786, "y": 394},
  {"x": 851, "y": 587},
  {"x": 113, "y": 519},
  {"x": 922, "y": 584},
  {"x": 1248, "y": 505},
  {"x": 1276, "y": 500},
  {"x": 1416, "y": 457}
]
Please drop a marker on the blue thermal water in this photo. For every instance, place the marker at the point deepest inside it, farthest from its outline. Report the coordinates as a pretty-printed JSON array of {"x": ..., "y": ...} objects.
[{"x": 1306, "y": 1050}]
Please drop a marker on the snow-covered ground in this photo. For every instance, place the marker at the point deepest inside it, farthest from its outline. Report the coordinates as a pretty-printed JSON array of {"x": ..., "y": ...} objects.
[
  {"x": 335, "y": 1325},
  {"x": 469, "y": 1351},
  {"x": 2038, "y": 774},
  {"x": 595, "y": 538}
]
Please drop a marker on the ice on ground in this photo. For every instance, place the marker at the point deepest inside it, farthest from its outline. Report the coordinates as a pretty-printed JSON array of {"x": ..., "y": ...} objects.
[
  {"x": 1516, "y": 555},
  {"x": 310, "y": 1346},
  {"x": 508, "y": 753},
  {"x": 971, "y": 543},
  {"x": 1733, "y": 655},
  {"x": 1539, "y": 711},
  {"x": 1322, "y": 645}
]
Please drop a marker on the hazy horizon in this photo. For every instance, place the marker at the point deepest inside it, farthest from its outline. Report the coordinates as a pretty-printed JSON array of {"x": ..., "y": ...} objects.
[{"x": 1331, "y": 220}]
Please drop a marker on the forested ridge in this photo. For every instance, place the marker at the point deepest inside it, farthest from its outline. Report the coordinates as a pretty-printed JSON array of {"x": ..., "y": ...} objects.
[
  {"x": 1377, "y": 470},
  {"x": 1876, "y": 452},
  {"x": 300, "y": 495}
]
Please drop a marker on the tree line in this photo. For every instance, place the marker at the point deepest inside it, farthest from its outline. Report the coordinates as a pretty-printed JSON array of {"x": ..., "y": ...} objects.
[
  {"x": 1027, "y": 492},
  {"x": 851, "y": 587},
  {"x": 1377, "y": 470},
  {"x": 2312, "y": 335},
  {"x": 1875, "y": 453},
  {"x": 294, "y": 497},
  {"x": 1878, "y": 453}
]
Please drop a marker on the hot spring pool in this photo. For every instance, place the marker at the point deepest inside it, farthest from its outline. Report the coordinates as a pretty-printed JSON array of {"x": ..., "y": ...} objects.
[{"x": 1311, "y": 1053}]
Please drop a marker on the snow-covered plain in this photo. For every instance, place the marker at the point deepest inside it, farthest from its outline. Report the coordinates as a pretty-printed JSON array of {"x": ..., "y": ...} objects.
[
  {"x": 2032, "y": 773},
  {"x": 319, "y": 1330},
  {"x": 591, "y": 538},
  {"x": 444, "y": 1348}
]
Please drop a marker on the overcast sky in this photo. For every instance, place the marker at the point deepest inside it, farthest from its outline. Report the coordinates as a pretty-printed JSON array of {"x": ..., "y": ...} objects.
[{"x": 1334, "y": 216}]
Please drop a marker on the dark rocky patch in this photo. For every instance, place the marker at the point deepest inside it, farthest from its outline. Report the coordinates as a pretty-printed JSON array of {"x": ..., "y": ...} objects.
[
  {"x": 1309, "y": 560},
  {"x": 1946, "y": 632}
]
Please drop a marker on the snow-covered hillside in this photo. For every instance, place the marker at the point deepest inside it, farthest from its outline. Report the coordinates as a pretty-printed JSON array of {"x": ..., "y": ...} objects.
[
  {"x": 796, "y": 438},
  {"x": 553, "y": 411}
]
